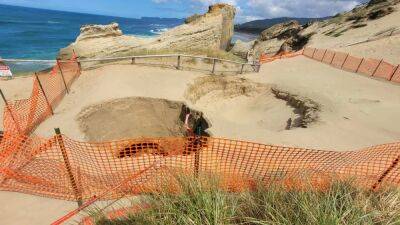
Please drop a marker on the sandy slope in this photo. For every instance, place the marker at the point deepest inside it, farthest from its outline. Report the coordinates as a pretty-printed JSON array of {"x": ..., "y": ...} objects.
[
  {"x": 23, "y": 209},
  {"x": 356, "y": 111},
  {"x": 17, "y": 88},
  {"x": 353, "y": 40}
]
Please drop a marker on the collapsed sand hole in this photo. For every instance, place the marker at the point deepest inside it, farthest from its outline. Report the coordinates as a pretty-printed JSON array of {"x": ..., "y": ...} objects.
[
  {"x": 134, "y": 117},
  {"x": 255, "y": 103}
]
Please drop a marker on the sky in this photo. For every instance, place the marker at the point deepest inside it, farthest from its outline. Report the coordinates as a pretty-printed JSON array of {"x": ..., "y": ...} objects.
[{"x": 247, "y": 10}]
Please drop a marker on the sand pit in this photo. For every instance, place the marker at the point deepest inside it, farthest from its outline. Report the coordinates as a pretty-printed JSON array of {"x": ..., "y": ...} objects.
[
  {"x": 323, "y": 107},
  {"x": 133, "y": 117},
  {"x": 235, "y": 96},
  {"x": 101, "y": 107}
]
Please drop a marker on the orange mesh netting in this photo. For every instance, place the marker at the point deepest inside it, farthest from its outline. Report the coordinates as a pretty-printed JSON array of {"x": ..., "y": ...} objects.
[
  {"x": 370, "y": 67},
  {"x": 60, "y": 167}
]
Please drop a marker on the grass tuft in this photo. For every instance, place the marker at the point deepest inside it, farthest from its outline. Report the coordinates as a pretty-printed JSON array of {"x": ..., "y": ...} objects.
[{"x": 201, "y": 201}]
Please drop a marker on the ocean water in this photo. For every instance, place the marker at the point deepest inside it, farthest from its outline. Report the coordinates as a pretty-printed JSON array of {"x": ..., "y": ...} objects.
[
  {"x": 27, "y": 33},
  {"x": 39, "y": 34}
]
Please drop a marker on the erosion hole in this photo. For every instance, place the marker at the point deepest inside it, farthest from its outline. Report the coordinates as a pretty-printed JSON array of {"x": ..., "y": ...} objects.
[{"x": 134, "y": 117}]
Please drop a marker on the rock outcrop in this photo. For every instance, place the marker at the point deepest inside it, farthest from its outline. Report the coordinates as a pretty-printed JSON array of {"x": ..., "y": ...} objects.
[
  {"x": 281, "y": 31},
  {"x": 242, "y": 48},
  {"x": 281, "y": 37},
  {"x": 211, "y": 31}
]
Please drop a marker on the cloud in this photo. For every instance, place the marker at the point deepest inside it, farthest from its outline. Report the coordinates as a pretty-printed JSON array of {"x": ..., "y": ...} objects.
[
  {"x": 209, "y": 2},
  {"x": 299, "y": 8},
  {"x": 247, "y": 10}
]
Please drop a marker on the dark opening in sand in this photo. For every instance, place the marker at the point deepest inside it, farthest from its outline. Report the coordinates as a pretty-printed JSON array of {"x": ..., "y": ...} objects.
[{"x": 134, "y": 117}]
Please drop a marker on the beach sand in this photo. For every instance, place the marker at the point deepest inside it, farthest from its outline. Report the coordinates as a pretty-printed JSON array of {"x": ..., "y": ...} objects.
[
  {"x": 355, "y": 111},
  {"x": 14, "y": 89},
  {"x": 379, "y": 39}
]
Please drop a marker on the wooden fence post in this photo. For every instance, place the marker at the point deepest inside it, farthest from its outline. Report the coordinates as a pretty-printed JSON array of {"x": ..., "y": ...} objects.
[
  {"x": 62, "y": 75},
  {"x": 9, "y": 111},
  {"x": 213, "y": 69},
  {"x": 376, "y": 69},
  {"x": 258, "y": 67},
  {"x": 179, "y": 63},
  {"x": 44, "y": 93},
  {"x": 60, "y": 141},
  {"x": 79, "y": 66},
  {"x": 241, "y": 70}
]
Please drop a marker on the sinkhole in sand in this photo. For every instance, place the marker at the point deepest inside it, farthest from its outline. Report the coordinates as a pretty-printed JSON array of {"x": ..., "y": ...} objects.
[{"x": 135, "y": 117}]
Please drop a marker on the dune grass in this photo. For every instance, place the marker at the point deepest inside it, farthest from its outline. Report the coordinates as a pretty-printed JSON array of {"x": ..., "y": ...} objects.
[{"x": 204, "y": 203}]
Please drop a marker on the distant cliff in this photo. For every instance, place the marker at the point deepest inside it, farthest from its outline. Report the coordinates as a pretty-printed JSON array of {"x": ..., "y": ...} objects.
[{"x": 257, "y": 26}]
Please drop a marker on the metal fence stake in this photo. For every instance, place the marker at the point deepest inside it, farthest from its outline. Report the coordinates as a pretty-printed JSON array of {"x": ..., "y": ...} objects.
[
  {"x": 394, "y": 164},
  {"x": 9, "y": 111},
  {"x": 359, "y": 65},
  {"x": 324, "y": 55},
  {"x": 62, "y": 75},
  {"x": 44, "y": 94},
  {"x": 394, "y": 72},
  {"x": 60, "y": 141},
  {"x": 376, "y": 69},
  {"x": 334, "y": 55},
  {"x": 345, "y": 59},
  {"x": 313, "y": 53}
]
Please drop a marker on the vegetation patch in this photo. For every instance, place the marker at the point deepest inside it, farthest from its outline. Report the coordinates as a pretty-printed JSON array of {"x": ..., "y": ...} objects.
[{"x": 202, "y": 202}]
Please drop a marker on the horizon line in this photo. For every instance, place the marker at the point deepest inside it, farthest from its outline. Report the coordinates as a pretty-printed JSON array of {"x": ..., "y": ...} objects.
[{"x": 92, "y": 14}]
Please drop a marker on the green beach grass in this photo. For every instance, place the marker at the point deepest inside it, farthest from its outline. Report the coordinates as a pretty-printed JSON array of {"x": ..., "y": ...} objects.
[{"x": 204, "y": 203}]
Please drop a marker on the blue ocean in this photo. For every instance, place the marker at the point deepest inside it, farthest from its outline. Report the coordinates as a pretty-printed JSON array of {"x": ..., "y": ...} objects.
[{"x": 39, "y": 34}]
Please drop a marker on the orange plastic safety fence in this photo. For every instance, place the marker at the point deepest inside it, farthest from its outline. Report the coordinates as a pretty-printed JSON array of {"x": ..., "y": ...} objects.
[
  {"x": 38, "y": 166},
  {"x": 24, "y": 115},
  {"x": 370, "y": 67},
  {"x": 265, "y": 58},
  {"x": 60, "y": 167}
]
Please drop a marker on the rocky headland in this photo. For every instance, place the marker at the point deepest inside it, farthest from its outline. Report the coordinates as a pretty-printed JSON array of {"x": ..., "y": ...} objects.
[
  {"x": 211, "y": 31},
  {"x": 350, "y": 31}
]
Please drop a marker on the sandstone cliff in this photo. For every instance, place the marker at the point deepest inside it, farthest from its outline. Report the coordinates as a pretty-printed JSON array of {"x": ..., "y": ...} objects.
[
  {"x": 280, "y": 37},
  {"x": 211, "y": 31},
  {"x": 369, "y": 30}
]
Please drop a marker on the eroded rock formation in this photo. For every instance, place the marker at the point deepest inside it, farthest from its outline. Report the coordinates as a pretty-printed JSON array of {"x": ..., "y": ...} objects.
[
  {"x": 211, "y": 31},
  {"x": 283, "y": 37}
]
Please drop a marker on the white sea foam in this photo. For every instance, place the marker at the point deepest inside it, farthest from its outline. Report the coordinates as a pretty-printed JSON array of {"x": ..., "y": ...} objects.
[{"x": 159, "y": 31}]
